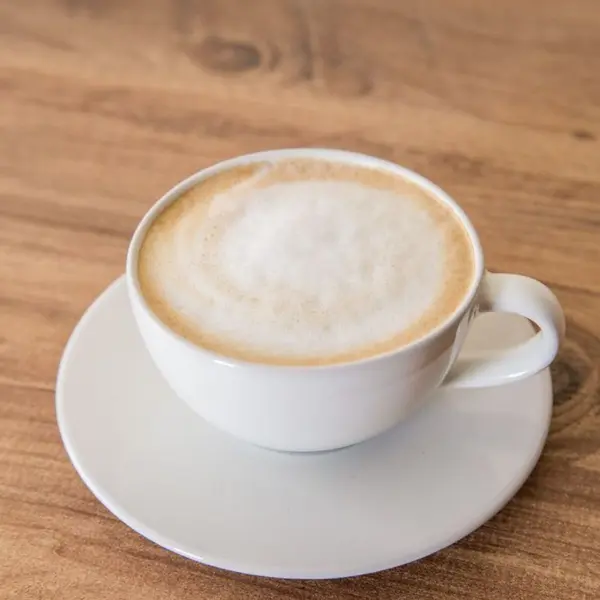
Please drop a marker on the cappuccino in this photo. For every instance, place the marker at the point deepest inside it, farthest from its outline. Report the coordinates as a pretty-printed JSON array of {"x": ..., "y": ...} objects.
[{"x": 305, "y": 262}]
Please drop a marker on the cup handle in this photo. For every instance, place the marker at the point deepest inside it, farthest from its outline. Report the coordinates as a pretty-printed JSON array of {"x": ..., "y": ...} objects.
[{"x": 524, "y": 296}]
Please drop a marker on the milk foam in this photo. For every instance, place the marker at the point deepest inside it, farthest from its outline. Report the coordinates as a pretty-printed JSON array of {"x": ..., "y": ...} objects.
[{"x": 300, "y": 269}]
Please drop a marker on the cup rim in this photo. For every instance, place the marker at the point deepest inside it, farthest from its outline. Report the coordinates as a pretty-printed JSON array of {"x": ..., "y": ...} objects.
[{"x": 348, "y": 157}]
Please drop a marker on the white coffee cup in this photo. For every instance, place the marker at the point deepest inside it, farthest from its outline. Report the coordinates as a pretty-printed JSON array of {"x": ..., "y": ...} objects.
[{"x": 312, "y": 408}]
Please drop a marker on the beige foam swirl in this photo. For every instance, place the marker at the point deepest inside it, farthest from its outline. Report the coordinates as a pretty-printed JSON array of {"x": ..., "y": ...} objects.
[{"x": 304, "y": 262}]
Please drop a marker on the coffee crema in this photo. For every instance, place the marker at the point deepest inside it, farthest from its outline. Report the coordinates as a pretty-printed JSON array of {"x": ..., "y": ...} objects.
[{"x": 305, "y": 262}]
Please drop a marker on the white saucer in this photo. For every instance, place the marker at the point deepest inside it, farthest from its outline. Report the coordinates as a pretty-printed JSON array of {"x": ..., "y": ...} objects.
[{"x": 198, "y": 492}]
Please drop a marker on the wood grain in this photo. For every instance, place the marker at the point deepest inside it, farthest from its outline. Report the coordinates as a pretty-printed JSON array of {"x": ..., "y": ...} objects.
[{"x": 105, "y": 104}]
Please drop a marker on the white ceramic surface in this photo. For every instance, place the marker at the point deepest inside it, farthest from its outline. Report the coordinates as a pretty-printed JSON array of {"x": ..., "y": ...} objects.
[
  {"x": 321, "y": 408},
  {"x": 206, "y": 495}
]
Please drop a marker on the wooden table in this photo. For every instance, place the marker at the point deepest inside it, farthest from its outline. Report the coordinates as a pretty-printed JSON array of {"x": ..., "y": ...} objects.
[{"x": 105, "y": 104}]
